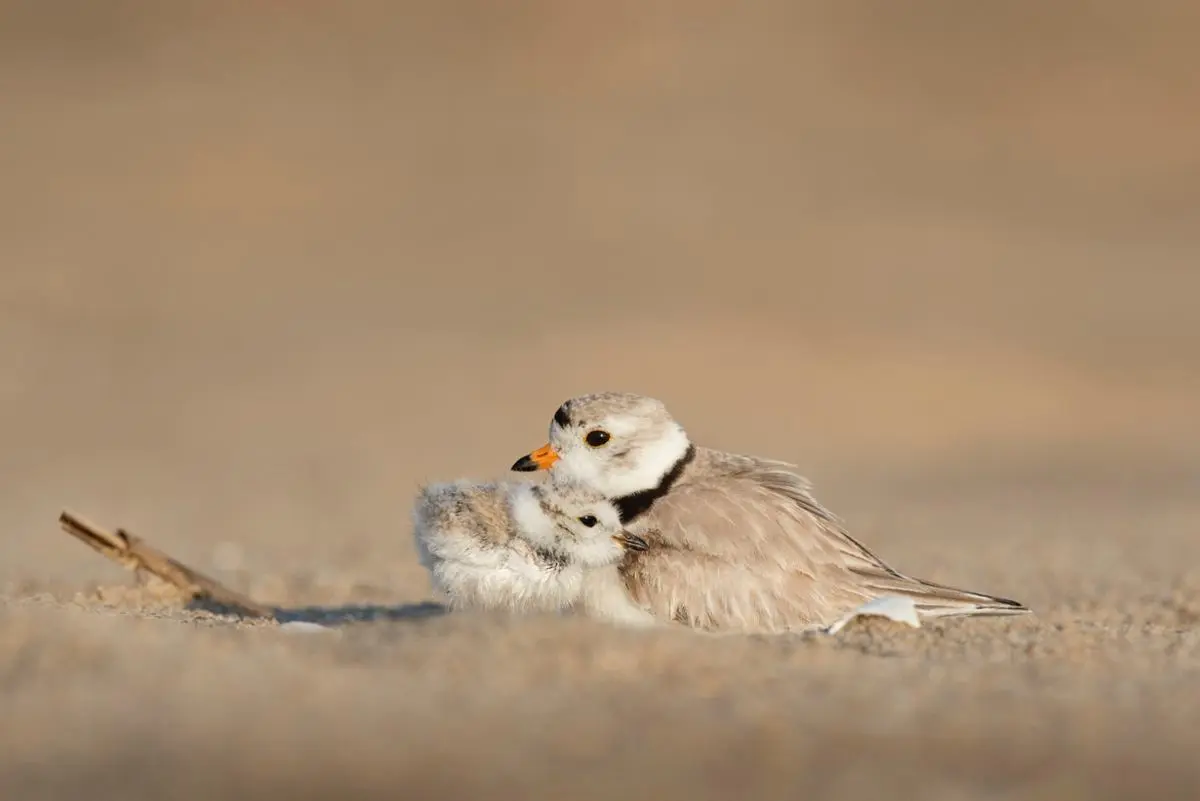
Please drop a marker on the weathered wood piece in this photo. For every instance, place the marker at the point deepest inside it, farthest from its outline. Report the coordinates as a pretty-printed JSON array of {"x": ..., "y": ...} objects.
[{"x": 136, "y": 554}]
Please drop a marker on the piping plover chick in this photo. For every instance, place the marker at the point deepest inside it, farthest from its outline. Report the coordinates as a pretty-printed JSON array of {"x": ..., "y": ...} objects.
[
  {"x": 519, "y": 547},
  {"x": 736, "y": 542}
]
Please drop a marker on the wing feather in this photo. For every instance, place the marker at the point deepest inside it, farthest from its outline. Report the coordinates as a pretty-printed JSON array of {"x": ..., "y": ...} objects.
[{"x": 749, "y": 547}]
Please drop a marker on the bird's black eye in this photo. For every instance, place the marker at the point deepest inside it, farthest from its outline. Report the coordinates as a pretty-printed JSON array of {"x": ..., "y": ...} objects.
[
  {"x": 597, "y": 438},
  {"x": 588, "y": 520}
]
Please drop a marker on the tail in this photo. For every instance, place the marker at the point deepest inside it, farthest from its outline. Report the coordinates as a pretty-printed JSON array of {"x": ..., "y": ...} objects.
[{"x": 937, "y": 600}]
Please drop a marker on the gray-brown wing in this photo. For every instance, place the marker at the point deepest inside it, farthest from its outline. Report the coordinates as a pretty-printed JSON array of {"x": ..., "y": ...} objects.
[
  {"x": 737, "y": 554},
  {"x": 753, "y": 545},
  {"x": 873, "y": 575},
  {"x": 705, "y": 592},
  {"x": 760, "y": 511}
]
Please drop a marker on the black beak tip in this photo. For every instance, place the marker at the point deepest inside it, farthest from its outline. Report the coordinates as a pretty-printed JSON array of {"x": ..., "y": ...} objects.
[{"x": 524, "y": 465}]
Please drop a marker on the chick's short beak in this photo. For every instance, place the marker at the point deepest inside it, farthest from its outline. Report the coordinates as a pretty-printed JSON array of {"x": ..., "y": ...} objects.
[{"x": 541, "y": 459}]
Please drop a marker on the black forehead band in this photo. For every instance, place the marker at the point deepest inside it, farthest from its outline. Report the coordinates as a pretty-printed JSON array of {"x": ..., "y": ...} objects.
[{"x": 561, "y": 416}]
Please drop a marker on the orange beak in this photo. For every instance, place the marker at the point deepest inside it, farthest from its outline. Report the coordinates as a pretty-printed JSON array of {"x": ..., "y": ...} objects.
[{"x": 541, "y": 459}]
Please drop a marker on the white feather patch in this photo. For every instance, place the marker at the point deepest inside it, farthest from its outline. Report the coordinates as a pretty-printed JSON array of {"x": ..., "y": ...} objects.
[{"x": 893, "y": 607}]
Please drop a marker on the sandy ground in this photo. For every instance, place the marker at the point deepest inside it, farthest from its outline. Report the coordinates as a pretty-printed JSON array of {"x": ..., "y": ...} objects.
[{"x": 265, "y": 267}]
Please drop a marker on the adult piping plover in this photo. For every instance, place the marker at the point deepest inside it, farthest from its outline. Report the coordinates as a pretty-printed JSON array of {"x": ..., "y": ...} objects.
[
  {"x": 525, "y": 547},
  {"x": 736, "y": 542}
]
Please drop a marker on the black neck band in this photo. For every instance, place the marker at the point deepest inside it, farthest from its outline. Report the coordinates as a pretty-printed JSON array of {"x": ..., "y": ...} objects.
[{"x": 638, "y": 503}]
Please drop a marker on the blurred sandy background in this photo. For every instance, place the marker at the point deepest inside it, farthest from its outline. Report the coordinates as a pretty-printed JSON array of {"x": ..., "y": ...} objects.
[{"x": 267, "y": 266}]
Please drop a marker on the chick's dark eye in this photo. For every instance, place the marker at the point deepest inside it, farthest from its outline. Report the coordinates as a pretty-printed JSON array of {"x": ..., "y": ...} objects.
[
  {"x": 596, "y": 438},
  {"x": 588, "y": 520}
]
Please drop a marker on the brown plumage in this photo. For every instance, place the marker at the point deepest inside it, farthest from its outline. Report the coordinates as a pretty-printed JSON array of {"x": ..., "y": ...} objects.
[{"x": 734, "y": 542}]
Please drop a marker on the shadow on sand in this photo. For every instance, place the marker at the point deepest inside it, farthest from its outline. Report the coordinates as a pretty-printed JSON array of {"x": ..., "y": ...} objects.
[{"x": 331, "y": 615}]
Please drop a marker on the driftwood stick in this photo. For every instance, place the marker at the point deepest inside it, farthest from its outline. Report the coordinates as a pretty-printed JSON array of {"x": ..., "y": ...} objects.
[{"x": 134, "y": 553}]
